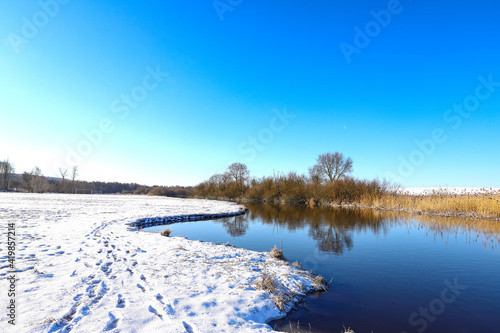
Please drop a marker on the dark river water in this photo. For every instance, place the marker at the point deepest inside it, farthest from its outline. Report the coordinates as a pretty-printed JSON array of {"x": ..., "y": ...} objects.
[{"x": 390, "y": 272}]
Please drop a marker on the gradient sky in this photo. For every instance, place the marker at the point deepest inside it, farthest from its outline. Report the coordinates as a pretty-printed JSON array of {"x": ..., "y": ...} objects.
[{"x": 265, "y": 83}]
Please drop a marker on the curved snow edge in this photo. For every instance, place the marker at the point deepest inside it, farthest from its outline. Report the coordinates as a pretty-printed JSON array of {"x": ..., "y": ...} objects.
[{"x": 166, "y": 220}]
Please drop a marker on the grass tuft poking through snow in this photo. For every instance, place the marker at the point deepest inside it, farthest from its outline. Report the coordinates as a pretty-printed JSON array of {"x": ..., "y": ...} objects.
[
  {"x": 267, "y": 282},
  {"x": 166, "y": 232},
  {"x": 320, "y": 283},
  {"x": 277, "y": 254}
]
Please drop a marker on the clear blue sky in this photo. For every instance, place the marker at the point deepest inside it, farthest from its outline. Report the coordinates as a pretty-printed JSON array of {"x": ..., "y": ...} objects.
[{"x": 69, "y": 68}]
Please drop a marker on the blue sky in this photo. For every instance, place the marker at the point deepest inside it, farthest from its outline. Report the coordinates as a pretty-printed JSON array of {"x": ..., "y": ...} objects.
[{"x": 172, "y": 92}]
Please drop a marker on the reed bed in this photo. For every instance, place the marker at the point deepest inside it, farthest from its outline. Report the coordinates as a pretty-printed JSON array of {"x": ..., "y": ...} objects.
[{"x": 485, "y": 205}]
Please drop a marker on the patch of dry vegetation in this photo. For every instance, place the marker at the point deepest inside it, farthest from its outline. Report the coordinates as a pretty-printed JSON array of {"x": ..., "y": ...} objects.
[
  {"x": 166, "y": 232},
  {"x": 269, "y": 283},
  {"x": 320, "y": 283},
  {"x": 277, "y": 254},
  {"x": 472, "y": 205}
]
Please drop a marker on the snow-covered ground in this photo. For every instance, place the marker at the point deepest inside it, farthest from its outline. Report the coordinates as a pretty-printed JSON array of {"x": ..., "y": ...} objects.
[
  {"x": 82, "y": 269},
  {"x": 449, "y": 190}
]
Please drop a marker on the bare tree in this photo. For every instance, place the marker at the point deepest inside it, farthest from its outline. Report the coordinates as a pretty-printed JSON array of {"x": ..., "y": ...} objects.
[
  {"x": 6, "y": 171},
  {"x": 316, "y": 174},
  {"x": 240, "y": 174},
  {"x": 63, "y": 173},
  {"x": 62, "y": 186},
  {"x": 74, "y": 173},
  {"x": 334, "y": 166},
  {"x": 278, "y": 179}
]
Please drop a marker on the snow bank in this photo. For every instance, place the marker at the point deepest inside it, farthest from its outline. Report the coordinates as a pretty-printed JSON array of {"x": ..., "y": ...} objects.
[{"x": 82, "y": 269}]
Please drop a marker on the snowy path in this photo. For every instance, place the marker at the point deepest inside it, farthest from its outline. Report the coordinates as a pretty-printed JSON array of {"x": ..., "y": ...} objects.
[{"x": 81, "y": 269}]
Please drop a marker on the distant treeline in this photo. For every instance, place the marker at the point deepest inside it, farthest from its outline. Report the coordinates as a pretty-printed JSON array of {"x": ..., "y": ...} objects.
[
  {"x": 35, "y": 182},
  {"x": 327, "y": 182}
]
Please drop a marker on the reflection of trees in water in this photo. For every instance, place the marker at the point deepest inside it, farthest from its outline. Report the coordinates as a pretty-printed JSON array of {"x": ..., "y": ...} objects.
[
  {"x": 333, "y": 228},
  {"x": 236, "y": 226},
  {"x": 449, "y": 229},
  {"x": 331, "y": 238}
]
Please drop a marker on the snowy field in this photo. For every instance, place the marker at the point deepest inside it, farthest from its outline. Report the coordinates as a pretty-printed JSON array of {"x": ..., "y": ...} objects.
[
  {"x": 80, "y": 268},
  {"x": 449, "y": 190}
]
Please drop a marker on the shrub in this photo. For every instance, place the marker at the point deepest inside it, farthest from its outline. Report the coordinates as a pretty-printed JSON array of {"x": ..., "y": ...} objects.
[{"x": 166, "y": 232}]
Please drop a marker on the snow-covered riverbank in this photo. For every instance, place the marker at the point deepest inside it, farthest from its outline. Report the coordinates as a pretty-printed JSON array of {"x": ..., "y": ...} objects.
[{"x": 82, "y": 269}]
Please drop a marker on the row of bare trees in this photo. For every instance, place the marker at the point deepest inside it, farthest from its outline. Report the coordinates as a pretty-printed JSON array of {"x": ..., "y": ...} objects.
[
  {"x": 35, "y": 182},
  {"x": 328, "y": 180}
]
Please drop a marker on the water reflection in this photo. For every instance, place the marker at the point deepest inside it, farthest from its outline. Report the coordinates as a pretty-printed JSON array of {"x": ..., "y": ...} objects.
[
  {"x": 450, "y": 229},
  {"x": 236, "y": 226},
  {"x": 333, "y": 227},
  {"x": 331, "y": 239}
]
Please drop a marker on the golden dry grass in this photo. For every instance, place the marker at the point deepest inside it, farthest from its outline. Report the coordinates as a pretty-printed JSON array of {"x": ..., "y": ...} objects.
[
  {"x": 166, "y": 232},
  {"x": 472, "y": 205},
  {"x": 277, "y": 254}
]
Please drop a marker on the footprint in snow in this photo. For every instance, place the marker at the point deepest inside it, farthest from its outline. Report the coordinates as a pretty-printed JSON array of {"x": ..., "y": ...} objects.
[
  {"x": 106, "y": 267},
  {"x": 154, "y": 311},
  {"x": 85, "y": 310},
  {"x": 121, "y": 302},
  {"x": 112, "y": 323},
  {"x": 141, "y": 287},
  {"x": 188, "y": 328}
]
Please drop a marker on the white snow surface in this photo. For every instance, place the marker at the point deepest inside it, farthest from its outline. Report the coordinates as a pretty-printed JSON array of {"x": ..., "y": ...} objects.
[
  {"x": 448, "y": 190},
  {"x": 82, "y": 269}
]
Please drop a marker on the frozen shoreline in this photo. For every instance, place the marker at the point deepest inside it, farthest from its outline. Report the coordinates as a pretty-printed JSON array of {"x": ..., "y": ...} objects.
[{"x": 81, "y": 268}]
